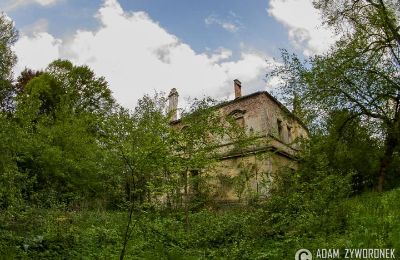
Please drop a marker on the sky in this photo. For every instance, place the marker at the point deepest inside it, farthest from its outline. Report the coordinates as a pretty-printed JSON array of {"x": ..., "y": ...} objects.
[{"x": 144, "y": 46}]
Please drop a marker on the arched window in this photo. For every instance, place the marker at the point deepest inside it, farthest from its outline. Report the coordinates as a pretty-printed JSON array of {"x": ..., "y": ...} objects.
[{"x": 238, "y": 116}]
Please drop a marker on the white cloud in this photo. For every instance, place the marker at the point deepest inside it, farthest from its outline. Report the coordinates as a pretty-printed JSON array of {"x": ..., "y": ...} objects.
[
  {"x": 46, "y": 2},
  {"x": 230, "y": 26},
  {"x": 41, "y": 25},
  {"x": 137, "y": 56},
  {"x": 220, "y": 55},
  {"x": 15, "y": 4},
  {"x": 36, "y": 51},
  {"x": 305, "y": 29}
]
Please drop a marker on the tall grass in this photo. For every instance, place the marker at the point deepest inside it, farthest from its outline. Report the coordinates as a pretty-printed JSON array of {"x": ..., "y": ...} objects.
[{"x": 372, "y": 220}]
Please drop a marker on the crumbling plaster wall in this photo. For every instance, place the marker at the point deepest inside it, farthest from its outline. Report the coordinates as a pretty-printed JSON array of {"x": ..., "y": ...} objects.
[
  {"x": 243, "y": 173},
  {"x": 238, "y": 178},
  {"x": 262, "y": 117}
]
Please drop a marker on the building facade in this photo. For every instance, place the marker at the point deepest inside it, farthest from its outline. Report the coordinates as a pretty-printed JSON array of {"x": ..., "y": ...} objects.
[{"x": 276, "y": 133}]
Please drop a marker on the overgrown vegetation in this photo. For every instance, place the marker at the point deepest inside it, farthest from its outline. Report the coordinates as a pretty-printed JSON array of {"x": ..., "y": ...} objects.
[
  {"x": 274, "y": 231},
  {"x": 83, "y": 178}
]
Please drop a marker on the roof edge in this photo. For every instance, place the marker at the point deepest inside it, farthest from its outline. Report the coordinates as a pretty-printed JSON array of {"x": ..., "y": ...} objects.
[{"x": 266, "y": 93}]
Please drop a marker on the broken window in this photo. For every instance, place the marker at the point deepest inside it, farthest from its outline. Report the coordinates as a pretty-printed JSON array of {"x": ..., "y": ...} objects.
[
  {"x": 240, "y": 121},
  {"x": 279, "y": 123},
  {"x": 289, "y": 133},
  {"x": 195, "y": 180},
  {"x": 238, "y": 116}
]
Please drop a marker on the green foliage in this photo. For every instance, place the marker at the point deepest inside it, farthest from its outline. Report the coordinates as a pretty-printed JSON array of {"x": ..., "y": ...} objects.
[
  {"x": 12, "y": 181},
  {"x": 68, "y": 87},
  {"x": 307, "y": 202},
  {"x": 52, "y": 155},
  {"x": 141, "y": 144},
  {"x": 360, "y": 74},
  {"x": 370, "y": 222},
  {"x": 82, "y": 178},
  {"x": 24, "y": 78},
  {"x": 350, "y": 148},
  {"x": 373, "y": 221},
  {"x": 8, "y": 36}
]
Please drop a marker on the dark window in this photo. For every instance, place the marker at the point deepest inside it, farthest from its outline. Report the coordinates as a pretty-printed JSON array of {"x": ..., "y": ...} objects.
[
  {"x": 238, "y": 116},
  {"x": 279, "y": 123},
  {"x": 195, "y": 177},
  {"x": 289, "y": 133}
]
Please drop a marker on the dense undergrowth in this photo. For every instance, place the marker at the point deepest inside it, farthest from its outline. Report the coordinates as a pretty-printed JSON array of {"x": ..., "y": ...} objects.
[
  {"x": 366, "y": 221},
  {"x": 73, "y": 162}
]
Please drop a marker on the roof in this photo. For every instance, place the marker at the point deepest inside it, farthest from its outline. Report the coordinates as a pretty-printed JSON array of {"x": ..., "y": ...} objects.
[
  {"x": 223, "y": 104},
  {"x": 266, "y": 93}
]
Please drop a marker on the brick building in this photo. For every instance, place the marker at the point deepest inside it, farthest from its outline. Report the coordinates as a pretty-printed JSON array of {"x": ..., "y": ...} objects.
[{"x": 239, "y": 174}]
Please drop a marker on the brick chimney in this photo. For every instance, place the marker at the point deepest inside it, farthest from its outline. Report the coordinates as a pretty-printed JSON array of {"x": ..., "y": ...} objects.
[
  {"x": 238, "y": 88},
  {"x": 173, "y": 104}
]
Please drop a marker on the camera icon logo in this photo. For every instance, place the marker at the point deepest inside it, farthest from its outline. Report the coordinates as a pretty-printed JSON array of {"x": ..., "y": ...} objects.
[{"x": 303, "y": 254}]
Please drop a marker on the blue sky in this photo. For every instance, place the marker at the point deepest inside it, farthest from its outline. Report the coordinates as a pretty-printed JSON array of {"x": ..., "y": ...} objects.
[
  {"x": 199, "y": 47},
  {"x": 185, "y": 19}
]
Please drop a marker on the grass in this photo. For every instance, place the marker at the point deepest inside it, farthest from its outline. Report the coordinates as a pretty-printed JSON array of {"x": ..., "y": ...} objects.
[{"x": 371, "y": 221}]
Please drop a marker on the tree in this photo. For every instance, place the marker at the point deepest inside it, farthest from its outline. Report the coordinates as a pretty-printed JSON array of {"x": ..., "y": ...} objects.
[
  {"x": 349, "y": 148},
  {"x": 13, "y": 182},
  {"x": 141, "y": 142},
  {"x": 159, "y": 158},
  {"x": 24, "y": 78},
  {"x": 359, "y": 74},
  {"x": 198, "y": 135},
  {"x": 85, "y": 92},
  {"x": 61, "y": 113},
  {"x": 8, "y": 36},
  {"x": 65, "y": 89}
]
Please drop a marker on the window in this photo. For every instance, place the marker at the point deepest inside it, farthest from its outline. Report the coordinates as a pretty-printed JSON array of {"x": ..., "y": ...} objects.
[
  {"x": 195, "y": 180},
  {"x": 279, "y": 123},
  {"x": 238, "y": 116},
  {"x": 240, "y": 121},
  {"x": 289, "y": 133}
]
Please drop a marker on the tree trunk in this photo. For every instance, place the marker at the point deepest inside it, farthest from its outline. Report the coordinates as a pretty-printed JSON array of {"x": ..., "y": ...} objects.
[
  {"x": 127, "y": 231},
  {"x": 186, "y": 199},
  {"x": 132, "y": 193},
  {"x": 390, "y": 146}
]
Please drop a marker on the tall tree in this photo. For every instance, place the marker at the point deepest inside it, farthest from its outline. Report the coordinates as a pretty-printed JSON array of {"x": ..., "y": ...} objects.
[
  {"x": 198, "y": 135},
  {"x": 141, "y": 142},
  {"x": 8, "y": 36},
  {"x": 61, "y": 112},
  {"x": 359, "y": 74},
  {"x": 350, "y": 148},
  {"x": 160, "y": 157},
  {"x": 24, "y": 78}
]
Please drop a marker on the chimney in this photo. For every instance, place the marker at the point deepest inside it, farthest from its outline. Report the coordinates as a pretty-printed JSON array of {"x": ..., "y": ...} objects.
[
  {"x": 238, "y": 88},
  {"x": 173, "y": 103}
]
